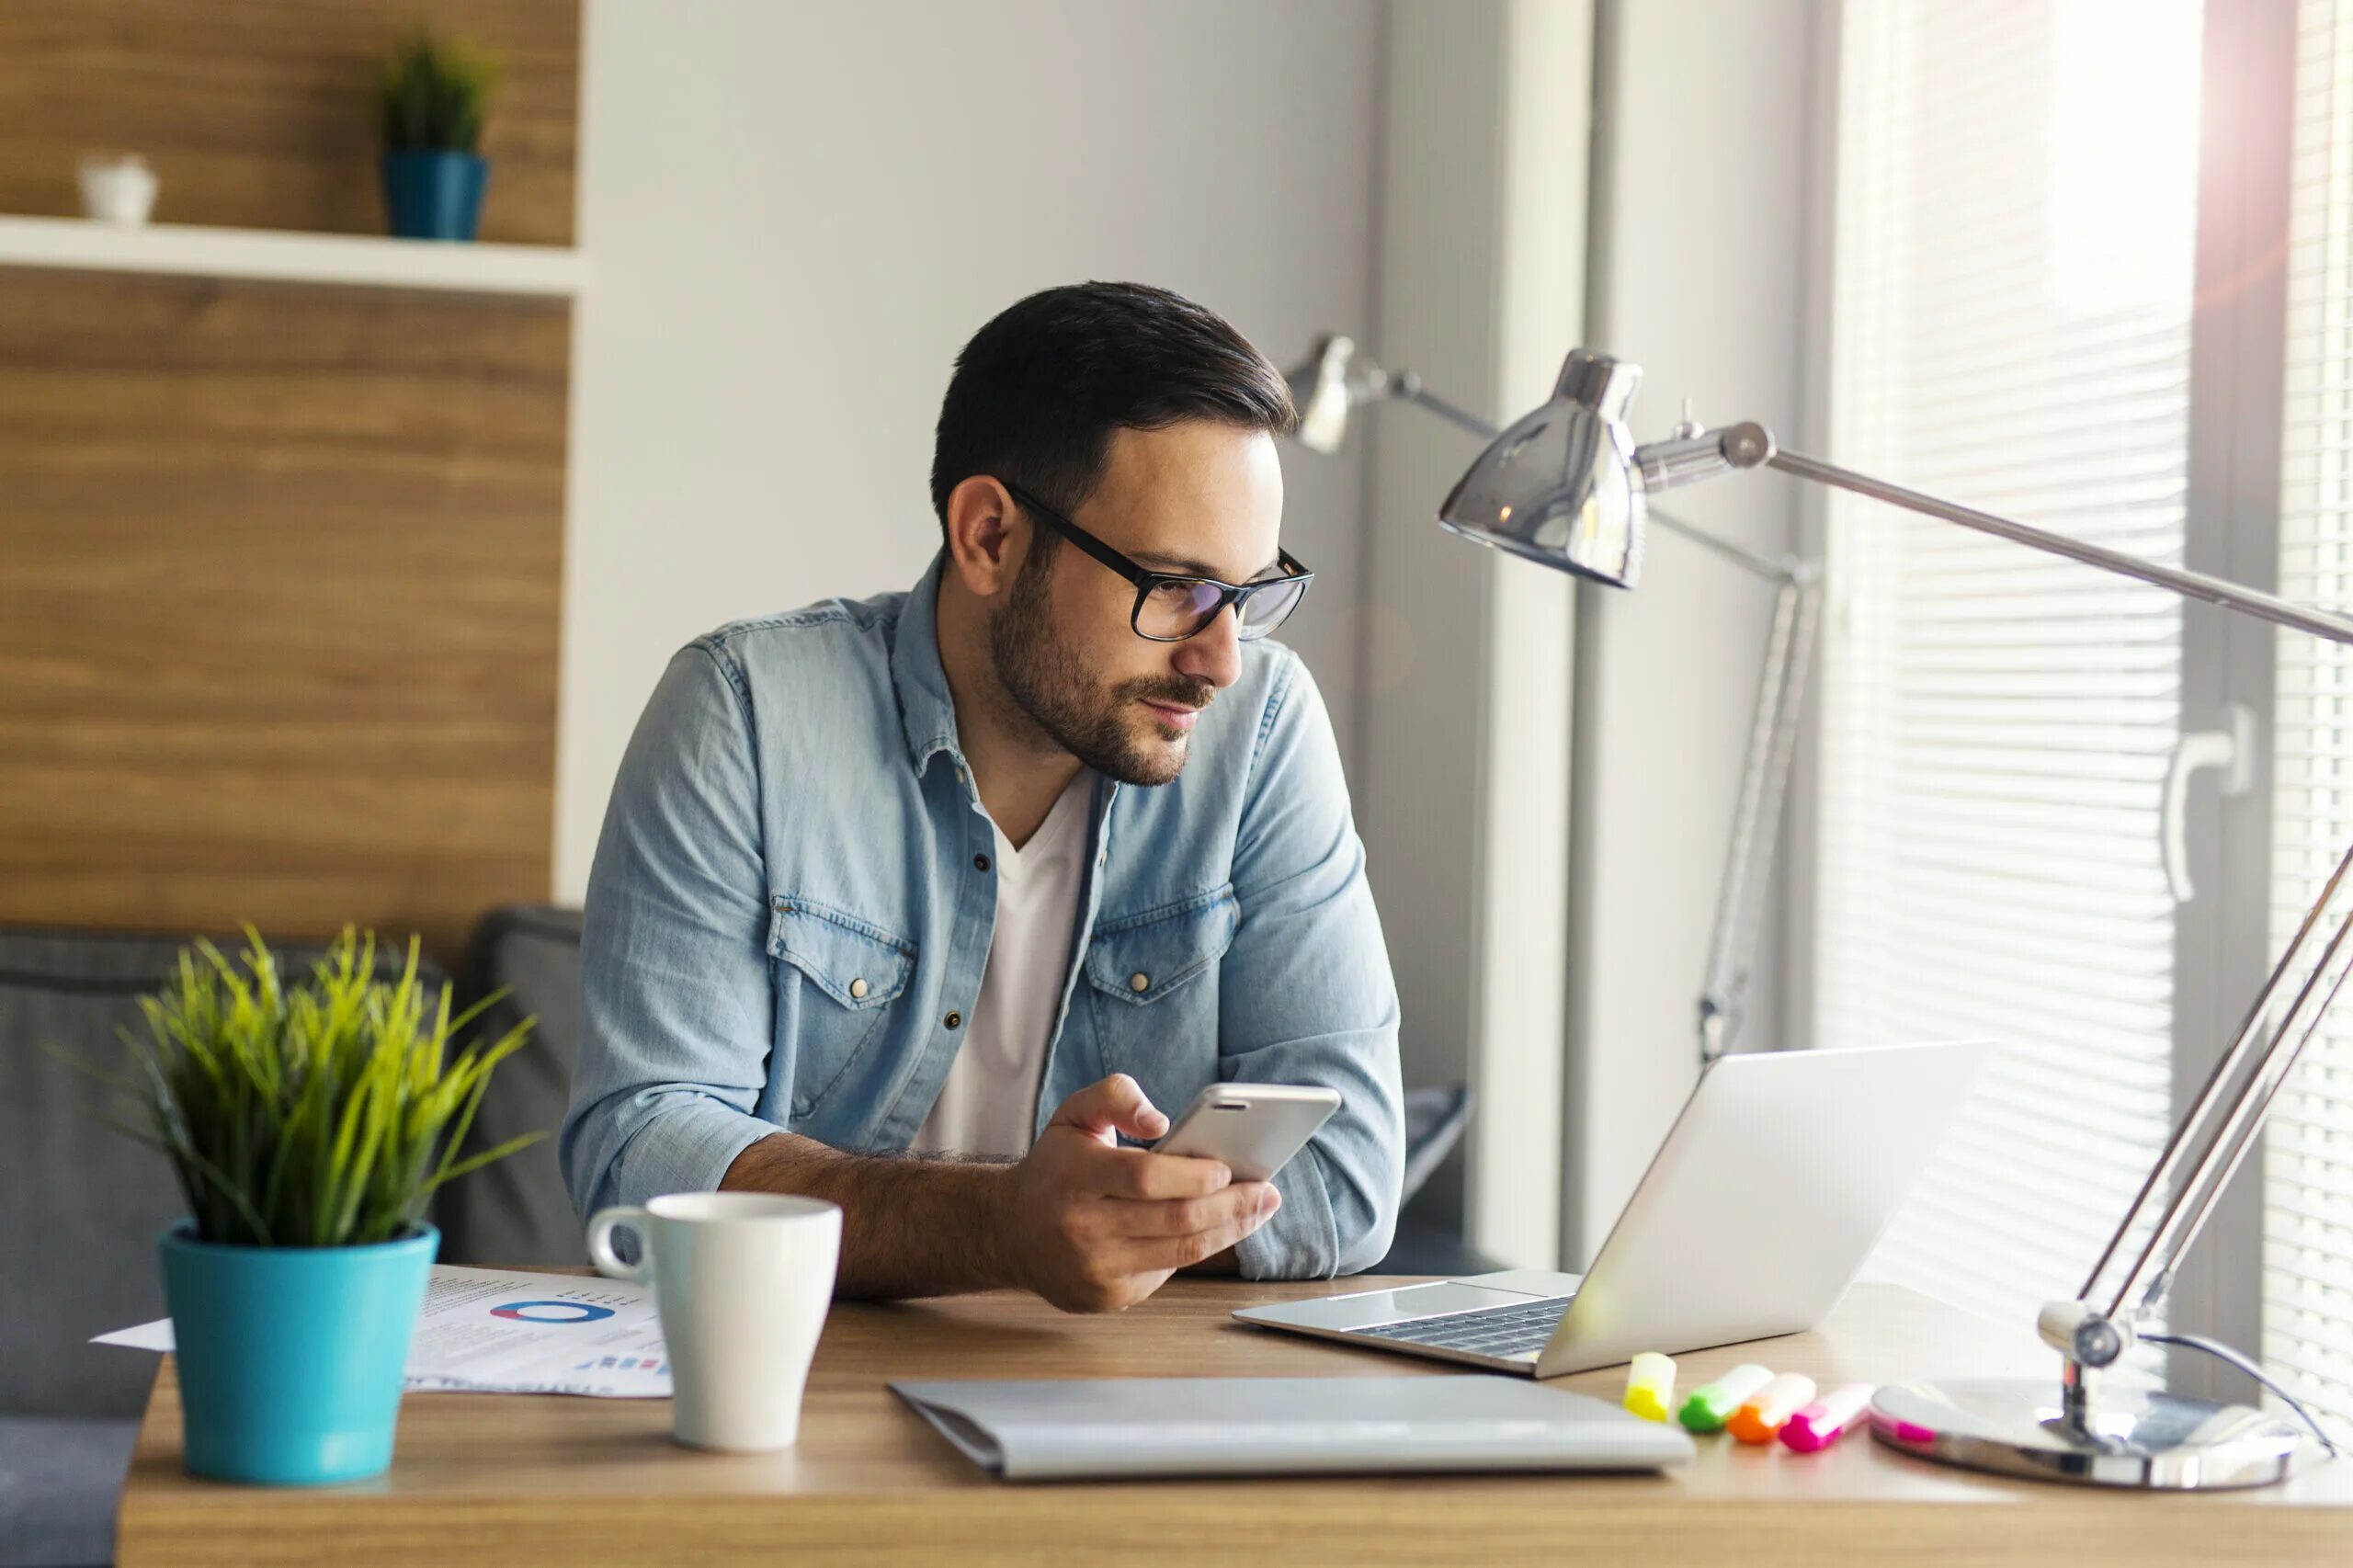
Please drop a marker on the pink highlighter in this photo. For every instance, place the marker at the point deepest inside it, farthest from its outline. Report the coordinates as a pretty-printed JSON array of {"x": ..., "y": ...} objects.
[{"x": 1827, "y": 1419}]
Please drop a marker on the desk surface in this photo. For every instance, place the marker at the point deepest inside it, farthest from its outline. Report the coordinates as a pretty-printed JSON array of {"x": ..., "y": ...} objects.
[{"x": 510, "y": 1479}]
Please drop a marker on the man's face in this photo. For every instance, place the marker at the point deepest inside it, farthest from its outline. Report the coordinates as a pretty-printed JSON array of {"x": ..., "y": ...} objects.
[{"x": 1196, "y": 498}]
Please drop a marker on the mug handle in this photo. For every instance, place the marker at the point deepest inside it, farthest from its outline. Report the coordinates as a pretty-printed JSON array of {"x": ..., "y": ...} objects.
[{"x": 600, "y": 1243}]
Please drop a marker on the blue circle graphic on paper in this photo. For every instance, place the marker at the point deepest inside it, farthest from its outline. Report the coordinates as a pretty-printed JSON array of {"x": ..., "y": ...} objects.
[{"x": 534, "y": 1312}]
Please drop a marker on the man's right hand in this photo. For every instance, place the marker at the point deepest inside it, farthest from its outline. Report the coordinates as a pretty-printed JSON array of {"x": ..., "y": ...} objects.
[{"x": 1093, "y": 1227}]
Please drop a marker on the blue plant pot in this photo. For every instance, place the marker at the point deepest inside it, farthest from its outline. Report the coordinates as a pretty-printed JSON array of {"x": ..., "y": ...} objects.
[
  {"x": 290, "y": 1358},
  {"x": 434, "y": 196}
]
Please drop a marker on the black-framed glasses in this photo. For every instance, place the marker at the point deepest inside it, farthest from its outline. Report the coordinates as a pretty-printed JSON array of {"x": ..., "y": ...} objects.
[{"x": 1171, "y": 606}]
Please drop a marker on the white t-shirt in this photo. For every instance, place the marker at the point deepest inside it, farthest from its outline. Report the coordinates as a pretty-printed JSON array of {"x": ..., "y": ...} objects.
[{"x": 989, "y": 1104}]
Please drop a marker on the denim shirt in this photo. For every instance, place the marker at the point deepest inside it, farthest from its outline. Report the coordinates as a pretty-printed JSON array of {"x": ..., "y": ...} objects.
[{"x": 787, "y": 923}]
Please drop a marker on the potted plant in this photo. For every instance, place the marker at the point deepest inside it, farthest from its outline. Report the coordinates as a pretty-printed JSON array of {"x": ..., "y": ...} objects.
[
  {"x": 309, "y": 1121},
  {"x": 436, "y": 93}
]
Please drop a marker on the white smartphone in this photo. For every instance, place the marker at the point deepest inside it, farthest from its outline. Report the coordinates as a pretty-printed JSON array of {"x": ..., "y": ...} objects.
[{"x": 1251, "y": 1129}]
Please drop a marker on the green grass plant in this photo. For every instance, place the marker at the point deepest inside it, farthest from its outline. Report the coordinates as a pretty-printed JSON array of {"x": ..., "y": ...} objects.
[
  {"x": 318, "y": 1111},
  {"x": 434, "y": 96}
]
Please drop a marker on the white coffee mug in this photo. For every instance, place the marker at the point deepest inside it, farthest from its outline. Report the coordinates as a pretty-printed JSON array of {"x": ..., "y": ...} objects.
[{"x": 742, "y": 1282}]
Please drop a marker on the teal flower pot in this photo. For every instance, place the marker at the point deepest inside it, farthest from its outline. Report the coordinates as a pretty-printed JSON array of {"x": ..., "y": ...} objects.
[
  {"x": 434, "y": 196},
  {"x": 290, "y": 1358}
]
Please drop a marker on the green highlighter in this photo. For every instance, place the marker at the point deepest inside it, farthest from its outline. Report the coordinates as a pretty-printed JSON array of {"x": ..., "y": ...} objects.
[{"x": 1712, "y": 1405}]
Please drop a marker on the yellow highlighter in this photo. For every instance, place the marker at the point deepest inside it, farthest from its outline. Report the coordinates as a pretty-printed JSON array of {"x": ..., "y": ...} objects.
[
  {"x": 1712, "y": 1405},
  {"x": 1650, "y": 1386},
  {"x": 1762, "y": 1415}
]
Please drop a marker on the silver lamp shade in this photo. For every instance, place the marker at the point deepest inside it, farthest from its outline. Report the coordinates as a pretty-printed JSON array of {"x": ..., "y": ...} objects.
[
  {"x": 1320, "y": 391},
  {"x": 1560, "y": 487}
]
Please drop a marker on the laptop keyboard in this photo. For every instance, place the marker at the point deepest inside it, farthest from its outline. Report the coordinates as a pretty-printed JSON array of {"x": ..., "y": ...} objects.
[{"x": 1491, "y": 1331}]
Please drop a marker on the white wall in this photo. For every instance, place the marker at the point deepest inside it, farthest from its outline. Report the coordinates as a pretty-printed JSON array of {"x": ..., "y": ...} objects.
[
  {"x": 1698, "y": 244},
  {"x": 796, "y": 212}
]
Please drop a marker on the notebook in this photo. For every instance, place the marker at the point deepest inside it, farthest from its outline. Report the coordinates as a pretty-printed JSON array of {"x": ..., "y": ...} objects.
[{"x": 1135, "y": 1428}]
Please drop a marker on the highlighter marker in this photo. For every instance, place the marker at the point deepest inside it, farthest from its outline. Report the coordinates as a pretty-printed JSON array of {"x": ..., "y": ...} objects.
[
  {"x": 1712, "y": 1405},
  {"x": 1762, "y": 1415},
  {"x": 1827, "y": 1419},
  {"x": 1650, "y": 1386}
]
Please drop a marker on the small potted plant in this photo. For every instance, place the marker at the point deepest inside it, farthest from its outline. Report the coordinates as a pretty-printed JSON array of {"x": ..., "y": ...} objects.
[
  {"x": 309, "y": 1121},
  {"x": 436, "y": 93}
]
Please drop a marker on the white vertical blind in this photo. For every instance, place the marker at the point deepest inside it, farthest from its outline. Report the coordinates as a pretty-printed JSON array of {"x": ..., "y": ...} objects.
[
  {"x": 2308, "y": 1159},
  {"x": 2013, "y": 260}
]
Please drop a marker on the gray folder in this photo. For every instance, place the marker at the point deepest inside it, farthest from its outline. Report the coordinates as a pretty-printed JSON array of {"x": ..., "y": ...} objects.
[{"x": 1063, "y": 1430}]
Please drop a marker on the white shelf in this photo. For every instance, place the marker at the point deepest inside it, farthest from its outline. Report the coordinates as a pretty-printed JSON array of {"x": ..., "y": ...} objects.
[{"x": 284, "y": 256}]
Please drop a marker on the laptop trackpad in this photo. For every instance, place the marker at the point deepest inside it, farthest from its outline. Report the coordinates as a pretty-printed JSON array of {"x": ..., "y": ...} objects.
[{"x": 1371, "y": 1309}]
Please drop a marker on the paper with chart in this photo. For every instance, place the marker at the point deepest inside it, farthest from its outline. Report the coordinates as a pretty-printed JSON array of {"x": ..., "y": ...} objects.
[{"x": 498, "y": 1331}]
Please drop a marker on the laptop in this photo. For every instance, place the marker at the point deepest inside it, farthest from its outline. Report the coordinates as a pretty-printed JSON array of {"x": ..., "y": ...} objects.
[{"x": 1772, "y": 1187}]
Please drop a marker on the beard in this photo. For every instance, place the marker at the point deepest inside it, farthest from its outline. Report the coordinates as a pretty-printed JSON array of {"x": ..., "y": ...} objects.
[{"x": 1049, "y": 684}]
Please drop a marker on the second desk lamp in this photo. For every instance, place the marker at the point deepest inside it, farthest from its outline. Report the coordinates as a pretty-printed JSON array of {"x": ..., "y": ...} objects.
[{"x": 1333, "y": 379}]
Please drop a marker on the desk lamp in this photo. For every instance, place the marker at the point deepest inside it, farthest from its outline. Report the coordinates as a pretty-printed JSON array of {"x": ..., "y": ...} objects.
[
  {"x": 1567, "y": 486},
  {"x": 1335, "y": 379}
]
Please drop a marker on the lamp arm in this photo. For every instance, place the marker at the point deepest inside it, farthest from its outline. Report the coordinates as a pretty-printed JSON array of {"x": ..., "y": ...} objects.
[
  {"x": 2221, "y": 1125},
  {"x": 1688, "y": 460},
  {"x": 1756, "y": 816},
  {"x": 1406, "y": 387},
  {"x": 2187, "y": 584}
]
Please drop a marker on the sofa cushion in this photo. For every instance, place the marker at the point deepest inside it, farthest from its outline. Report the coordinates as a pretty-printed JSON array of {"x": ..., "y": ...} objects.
[
  {"x": 60, "y": 1476},
  {"x": 515, "y": 1210}
]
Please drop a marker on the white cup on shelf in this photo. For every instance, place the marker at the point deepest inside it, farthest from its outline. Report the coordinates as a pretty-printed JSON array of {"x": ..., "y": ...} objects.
[
  {"x": 742, "y": 1282},
  {"x": 117, "y": 187}
]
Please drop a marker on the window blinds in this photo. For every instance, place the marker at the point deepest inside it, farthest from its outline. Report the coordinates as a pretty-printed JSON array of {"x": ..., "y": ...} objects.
[
  {"x": 2308, "y": 1158},
  {"x": 2014, "y": 232}
]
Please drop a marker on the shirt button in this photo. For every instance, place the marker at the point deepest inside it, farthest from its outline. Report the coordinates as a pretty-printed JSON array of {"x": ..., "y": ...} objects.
[
  {"x": 979, "y": 862},
  {"x": 960, "y": 778},
  {"x": 858, "y": 988},
  {"x": 1139, "y": 982},
  {"x": 954, "y": 1020}
]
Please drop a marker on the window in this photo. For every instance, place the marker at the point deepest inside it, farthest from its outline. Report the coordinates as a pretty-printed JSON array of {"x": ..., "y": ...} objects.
[
  {"x": 2307, "y": 1307},
  {"x": 2018, "y": 269},
  {"x": 2013, "y": 261}
]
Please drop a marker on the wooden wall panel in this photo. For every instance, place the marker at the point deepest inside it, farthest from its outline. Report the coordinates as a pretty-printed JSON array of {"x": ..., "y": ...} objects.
[
  {"x": 280, "y": 582},
  {"x": 259, "y": 113}
]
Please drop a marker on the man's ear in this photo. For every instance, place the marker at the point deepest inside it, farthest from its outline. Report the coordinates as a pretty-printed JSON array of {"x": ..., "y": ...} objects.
[{"x": 987, "y": 536}]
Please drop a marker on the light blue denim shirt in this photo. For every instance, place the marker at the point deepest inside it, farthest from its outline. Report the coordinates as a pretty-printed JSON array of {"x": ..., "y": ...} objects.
[{"x": 785, "y": 910}]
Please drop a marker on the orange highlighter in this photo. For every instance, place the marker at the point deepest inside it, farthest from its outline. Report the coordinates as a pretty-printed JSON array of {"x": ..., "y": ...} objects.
[{"x": 1763, "y": 1413}]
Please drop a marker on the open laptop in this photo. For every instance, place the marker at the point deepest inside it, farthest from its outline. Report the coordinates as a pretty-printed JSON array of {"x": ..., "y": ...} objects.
[{"x": 1770, "y": 1189}]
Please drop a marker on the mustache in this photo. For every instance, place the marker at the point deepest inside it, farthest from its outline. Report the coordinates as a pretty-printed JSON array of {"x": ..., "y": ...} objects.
[{"x": 1195, "y": 695}]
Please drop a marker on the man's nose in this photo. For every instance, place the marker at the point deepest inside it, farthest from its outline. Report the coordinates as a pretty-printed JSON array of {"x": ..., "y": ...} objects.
[{"x": 1213, "y": 653}]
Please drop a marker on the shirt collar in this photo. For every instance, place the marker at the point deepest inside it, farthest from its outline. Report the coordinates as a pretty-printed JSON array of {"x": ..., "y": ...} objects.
[{"x": 916, "y": 675}]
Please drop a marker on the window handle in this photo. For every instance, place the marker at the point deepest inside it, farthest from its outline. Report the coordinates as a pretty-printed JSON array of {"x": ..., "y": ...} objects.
[{"x": 2229, "y": 751}]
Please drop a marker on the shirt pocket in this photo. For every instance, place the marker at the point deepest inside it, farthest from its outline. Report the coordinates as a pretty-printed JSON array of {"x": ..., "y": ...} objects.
[
  {"x": 839, "y": 975},
  {"x": 1154, "y": 989}
]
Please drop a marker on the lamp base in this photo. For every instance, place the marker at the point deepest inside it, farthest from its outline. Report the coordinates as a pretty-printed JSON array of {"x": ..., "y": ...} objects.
[{"x": 2141, "y": 1438}]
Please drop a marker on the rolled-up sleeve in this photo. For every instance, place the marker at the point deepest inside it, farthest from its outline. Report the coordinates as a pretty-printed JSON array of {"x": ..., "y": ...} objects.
[
  {"x": 1306, "y": 996},
  {"x": 676, "y": 988}
]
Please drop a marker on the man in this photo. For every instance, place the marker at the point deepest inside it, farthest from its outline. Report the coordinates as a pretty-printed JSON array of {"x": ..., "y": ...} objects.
[{"x": 920, "y": 904}]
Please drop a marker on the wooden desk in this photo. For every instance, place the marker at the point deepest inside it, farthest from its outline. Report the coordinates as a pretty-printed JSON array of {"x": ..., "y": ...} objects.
[{"x": 509, "y": 1479}]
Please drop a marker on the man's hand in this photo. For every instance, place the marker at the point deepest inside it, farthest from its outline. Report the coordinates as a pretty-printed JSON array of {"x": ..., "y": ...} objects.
[{"x": 1093, "y": 1227}]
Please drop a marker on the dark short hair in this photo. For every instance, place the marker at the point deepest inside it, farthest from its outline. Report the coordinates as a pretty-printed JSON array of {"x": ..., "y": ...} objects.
[{"x": 1039, "y": 391}]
